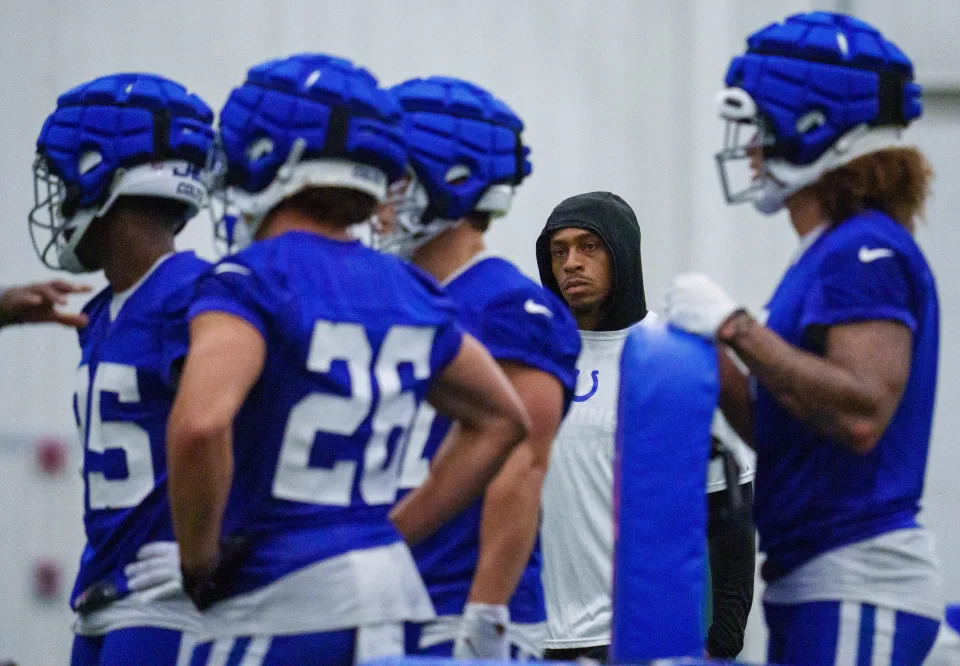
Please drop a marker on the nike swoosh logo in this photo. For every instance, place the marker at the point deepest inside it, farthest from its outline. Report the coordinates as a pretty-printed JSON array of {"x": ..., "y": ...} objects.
[
  {"x": 533, "y": 307},
  {"x": 866, "y": 255}
]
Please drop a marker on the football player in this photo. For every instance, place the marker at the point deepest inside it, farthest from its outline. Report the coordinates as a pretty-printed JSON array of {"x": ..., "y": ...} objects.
[
  {"x": 482, "y": 569},
  {"x": 309, "y": 354},
  {"x": 120, "y": 168},
  {"x": 589, "y": 255},
  {"x": 845, "y": 367},
  {"x": 38, "y": 304}
]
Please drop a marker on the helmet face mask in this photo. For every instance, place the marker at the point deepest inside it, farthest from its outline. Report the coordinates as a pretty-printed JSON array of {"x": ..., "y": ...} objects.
[
  {"x": 48, "y": 226},
  {"x": 409, "y": 202},
  {"x": 57, "y": 227},
  {"x": 741, "y": 162},
  {"x": 231, "y": 231}
]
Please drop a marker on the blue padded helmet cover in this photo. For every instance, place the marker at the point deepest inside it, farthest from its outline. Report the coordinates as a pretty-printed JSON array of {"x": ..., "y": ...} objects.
[
  {"x": 461, "y": 141},
  {"x": 335, "y": 107},
  {"x": 126, "y": 120}
]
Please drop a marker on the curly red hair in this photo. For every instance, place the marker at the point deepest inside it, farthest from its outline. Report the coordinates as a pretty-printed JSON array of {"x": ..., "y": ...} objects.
[{"x": 895, "y": 181}]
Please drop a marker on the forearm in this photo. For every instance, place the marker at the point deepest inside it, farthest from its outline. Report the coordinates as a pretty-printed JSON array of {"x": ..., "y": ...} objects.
[
  {"x": 508, "y": 528},
  {"x": 732, "y": 565},
  {"x": 735, "y": 400},
  {"x": 458, "y": 475},
  {"x": 200, "y": 474},
  {"x": 826, "y": 397}
]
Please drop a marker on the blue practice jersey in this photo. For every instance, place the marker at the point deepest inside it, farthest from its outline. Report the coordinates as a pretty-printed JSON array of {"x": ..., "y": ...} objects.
[
  {"x": 812, "y": 493},
  {"x": 131, "y": 354},
  {"x": 517, "y": 321},
  {"x": 353, "y": 341}
]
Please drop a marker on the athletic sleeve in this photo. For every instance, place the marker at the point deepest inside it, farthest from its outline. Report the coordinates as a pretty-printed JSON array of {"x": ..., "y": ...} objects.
[
  {"x": 449, "y": 333},
  {"x": 864, "y": 278},
  {"x": 446, "y": 345},
  {"x": 529, "y": 327},
  {"x": 175, "y": 327},
  {"x": 174, "y": 345},
  {"x": 233, "y": 286},
  {"x": 732, "y": 550}
]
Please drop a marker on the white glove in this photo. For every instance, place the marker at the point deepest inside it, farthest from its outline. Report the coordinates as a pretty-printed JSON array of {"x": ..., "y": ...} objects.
[
  {"x": 156, "y": 572},
  {"x": 483, "y": 633},
  {"x": 696, "y": 304}
]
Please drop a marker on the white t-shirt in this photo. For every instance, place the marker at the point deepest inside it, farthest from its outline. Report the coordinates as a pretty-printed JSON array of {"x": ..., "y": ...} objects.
[{"x": 577, "y": 528}]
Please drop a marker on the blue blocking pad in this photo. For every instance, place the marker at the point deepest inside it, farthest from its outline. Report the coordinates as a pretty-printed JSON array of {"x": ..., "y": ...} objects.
[{"x": 668, "y": 394}]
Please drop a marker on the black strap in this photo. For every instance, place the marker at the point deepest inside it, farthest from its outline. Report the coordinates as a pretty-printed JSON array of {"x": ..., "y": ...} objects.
[
  {"x": 890, "y": 101},
  {"x": 336, "y": 140},
  {"x": 161, "y": 135},
  {"x": 518, "y": 157}
]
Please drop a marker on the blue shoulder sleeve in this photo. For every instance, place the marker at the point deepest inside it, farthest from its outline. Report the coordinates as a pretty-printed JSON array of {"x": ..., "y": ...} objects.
[
  {"x": 233, "y": 286},
  {"x": 862, "y": 278},
  {"x": 174, "y": 344},
  {"x": 529, "y": 326},
  {"x": 176, "y": 324},
  {"x": 449, "y": 335}
]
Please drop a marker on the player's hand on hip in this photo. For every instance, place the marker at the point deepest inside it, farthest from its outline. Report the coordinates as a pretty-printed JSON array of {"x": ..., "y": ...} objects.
[
  {"x": 696, "y": 304},
  {"x": 483, "y": 633},
  {"x": 156, "y": 572},
  {"x": 211, "y": 583},
  {"x": 38, "y": 303}
]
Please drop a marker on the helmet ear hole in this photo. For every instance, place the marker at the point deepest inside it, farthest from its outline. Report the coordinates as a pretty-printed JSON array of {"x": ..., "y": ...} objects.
[
  {"x": 259, "y": 148},
  {"x": 810, "y": 121},
  {"x": 89, "y": 161},
  {"x": 457, "y": 174}
]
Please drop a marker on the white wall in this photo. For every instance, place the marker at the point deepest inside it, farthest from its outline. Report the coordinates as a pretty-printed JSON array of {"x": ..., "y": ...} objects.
[{"x": 616, "y": 94}]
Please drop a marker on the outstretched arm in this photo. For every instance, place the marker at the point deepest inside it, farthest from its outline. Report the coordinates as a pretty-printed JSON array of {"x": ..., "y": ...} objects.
[{"x": 39, "y": 303}]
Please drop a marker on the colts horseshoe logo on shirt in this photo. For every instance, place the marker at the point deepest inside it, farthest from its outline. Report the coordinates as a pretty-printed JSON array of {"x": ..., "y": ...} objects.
[{"x": 593, "y": 389}]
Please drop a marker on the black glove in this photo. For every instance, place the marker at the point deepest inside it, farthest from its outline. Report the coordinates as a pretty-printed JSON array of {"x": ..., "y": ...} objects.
[
  {"x": 210, "y": 585},
  {"x": 95, "y": 597}
]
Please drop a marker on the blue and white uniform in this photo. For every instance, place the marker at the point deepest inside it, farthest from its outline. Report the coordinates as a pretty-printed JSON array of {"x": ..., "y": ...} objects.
[
  {"x": 846, "y": 556},
  {"x": 353, "y": 340},
  {"x": 517, "y": 321},
  {"x": 852, "y": 578},
  {"x": 125, "y": 385}
]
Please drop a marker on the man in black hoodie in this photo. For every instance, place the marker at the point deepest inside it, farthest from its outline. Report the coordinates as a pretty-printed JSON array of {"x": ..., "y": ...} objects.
[{"x": 589, "y": 255}]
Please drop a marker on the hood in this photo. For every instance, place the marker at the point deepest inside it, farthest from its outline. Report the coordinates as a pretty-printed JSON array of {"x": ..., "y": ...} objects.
[{"x": 612, "y": 219}]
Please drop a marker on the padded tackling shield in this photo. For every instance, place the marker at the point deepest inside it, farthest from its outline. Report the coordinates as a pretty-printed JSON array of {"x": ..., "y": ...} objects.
[{"x": 668, "y": 394}]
